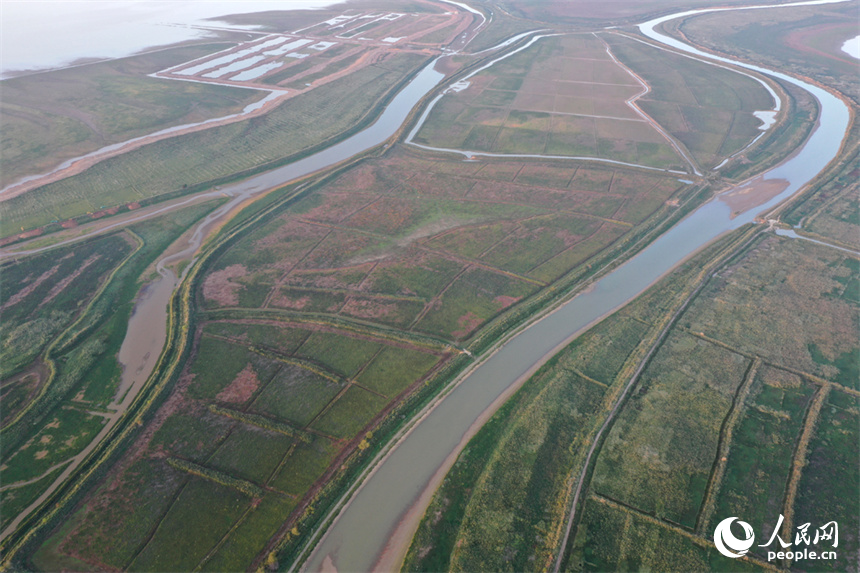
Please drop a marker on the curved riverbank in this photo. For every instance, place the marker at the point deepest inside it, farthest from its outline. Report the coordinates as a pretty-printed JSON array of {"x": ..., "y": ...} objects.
[{"x": 397, "y": 487}]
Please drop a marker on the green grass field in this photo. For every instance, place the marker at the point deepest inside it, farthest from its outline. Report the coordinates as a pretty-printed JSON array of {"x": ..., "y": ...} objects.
[
  {"x": 562, "y": 96},
  {"x": 323, "y": 316},
  {"x": 43, "y": 294},
  {"x": 62, "y": 414},
  {"x": 53, "y": 116},
  {"x": 209, "y": 156},
  {"x": 755, "y": 477},
  {"x": 708, "y": 109}
]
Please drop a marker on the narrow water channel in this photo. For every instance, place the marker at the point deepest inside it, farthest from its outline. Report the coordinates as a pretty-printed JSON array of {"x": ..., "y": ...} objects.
[{"x": 380, "y": 518}]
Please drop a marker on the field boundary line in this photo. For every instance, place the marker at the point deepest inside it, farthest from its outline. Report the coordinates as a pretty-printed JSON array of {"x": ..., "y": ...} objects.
[
  {"x": 205, "y": 559},
  {"x": 706, "y": 510},
  {"x": 715, "y": 342},
  {"x": 698, "y": 540},
  {"x": 283, "y": 278},
  {"x": 812, "y": 378},
  {"x": 303, "y": 363},
  {"x": 579, "y": 373},
  {"x": 701, "y": 280},
  {"x": 480, "y": 264},
  {"x": 337, "y": 324},
  {"x": 554, "y": 211},
  {"x": 631, "y": 103},
  {"x": 575, "y": 245},
  {"x": 798, "y": 460}
]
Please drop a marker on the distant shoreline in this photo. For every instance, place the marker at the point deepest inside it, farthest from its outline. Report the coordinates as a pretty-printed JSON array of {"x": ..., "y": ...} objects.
[{"x": 76, "y": 33}]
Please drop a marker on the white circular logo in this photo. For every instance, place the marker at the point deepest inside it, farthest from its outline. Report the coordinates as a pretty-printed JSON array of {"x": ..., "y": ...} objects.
[{"x": 727, "y": 543}]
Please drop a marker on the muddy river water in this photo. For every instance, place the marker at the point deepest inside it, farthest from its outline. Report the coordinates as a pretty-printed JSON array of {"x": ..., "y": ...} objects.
[
  {"x": 373, "y": 529},
  {"x": 394, "y": 496}
]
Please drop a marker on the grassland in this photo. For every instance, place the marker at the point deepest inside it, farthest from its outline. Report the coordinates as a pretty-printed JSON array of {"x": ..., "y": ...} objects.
[
  {"x": 43, "y": 294},
  {"x": 193, "y": 161},
  {"x": 563, "y": 96},
  {"x": 324, "y": 317},
  {"x": 66, "y": 406},
  {"x": 809, "y": 40},
  {"x": 686, "y": 449},
  {"x": 54, "y": 116},
  {"x": 774, "y": 404},
  {"x": 708, "y": 109},
  {"x": 503, "y": 505}
]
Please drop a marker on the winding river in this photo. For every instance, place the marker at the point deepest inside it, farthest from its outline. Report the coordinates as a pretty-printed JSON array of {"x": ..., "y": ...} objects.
[
  {"x": 373, "y": 529},
  {"x": 401, "y": 484}
]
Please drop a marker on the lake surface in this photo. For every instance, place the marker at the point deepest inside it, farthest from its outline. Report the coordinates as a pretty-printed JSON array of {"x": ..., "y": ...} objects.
[
  {"x": 39, "y": 34},
  {"x": 852, "y": 47},
  {"x": 358, "y": 537}
]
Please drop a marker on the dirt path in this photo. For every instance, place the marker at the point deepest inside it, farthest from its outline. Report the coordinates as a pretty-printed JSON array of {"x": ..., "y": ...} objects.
[{"x": 631, "y": 103}]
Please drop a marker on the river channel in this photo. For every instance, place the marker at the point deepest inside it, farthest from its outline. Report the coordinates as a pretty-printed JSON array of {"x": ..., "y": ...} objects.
[{"x": 379, "y": 519}]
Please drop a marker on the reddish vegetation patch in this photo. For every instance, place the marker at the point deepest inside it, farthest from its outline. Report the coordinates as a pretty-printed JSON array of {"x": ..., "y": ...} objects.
[
  {"x": 569, "y": 238},
  {"x": 365, "y": 178},
  {"x": 104, "y": 212},
  {"x": 219, "y": 287},
  {"x": 447, "y": 66},
  {"x": 342, "y": 278},
  {"x": 281, "y": 300},
  {"x": 338, "y": 206},
  {"x": 468, "y": 322},
  {"x": 61, "y": 286},
  {"x": 800, "y": 39},
  {"x": 366, "y": 308},
  {"x": 338, "y": 249},
  {"x": 291, "y": 234},
  {"x": 506, "y": 301},
  {"x": 241, "y": 388},
  {"x": 386, "y": 215},
  {"x": 21, "y": 294}
]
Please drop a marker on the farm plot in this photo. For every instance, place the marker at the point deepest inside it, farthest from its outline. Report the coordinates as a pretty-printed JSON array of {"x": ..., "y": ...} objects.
[
  {"x": 831, "y": 476},
  {"x": 708, "y": 109},
  {"x": 781, "y": 400},
  {"x": 563, "y": 96},
  {"x": 778, "y": 283},
  {"x": 613, "y": 538},
  {"x": 659, "y": 454},
  {"x": 755, "y": 478},
  {"x": 431, "y": 246},
  {"x": 264, "y": 408}
]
